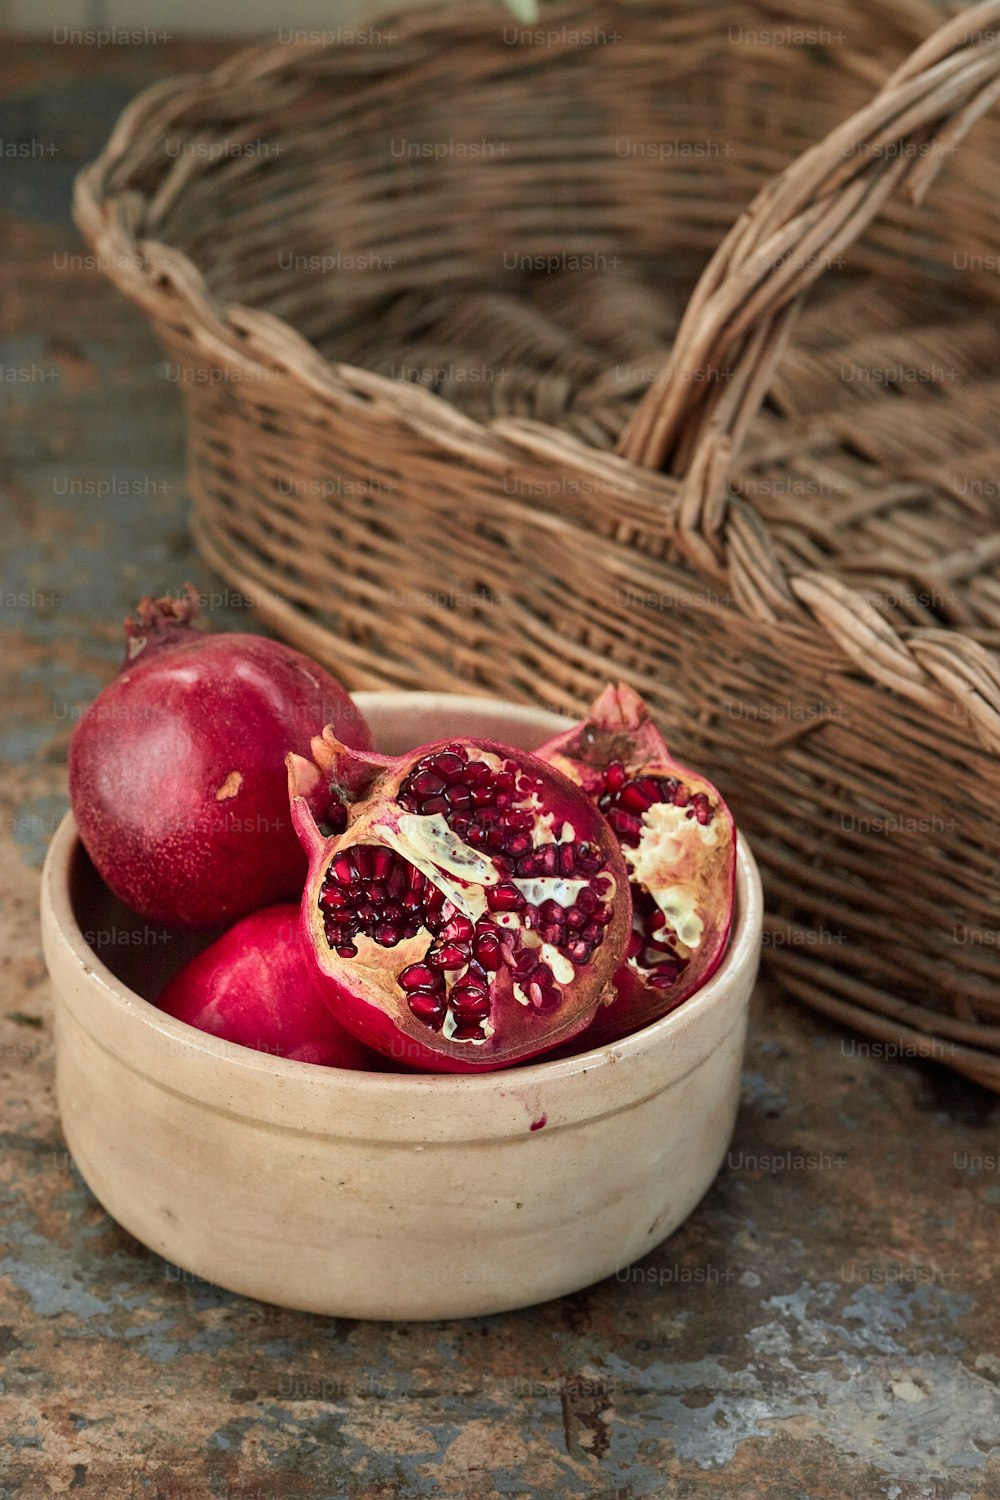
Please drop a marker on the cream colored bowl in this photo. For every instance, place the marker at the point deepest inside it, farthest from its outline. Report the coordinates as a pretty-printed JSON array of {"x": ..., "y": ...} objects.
[{"x": 381, "y": 1195}]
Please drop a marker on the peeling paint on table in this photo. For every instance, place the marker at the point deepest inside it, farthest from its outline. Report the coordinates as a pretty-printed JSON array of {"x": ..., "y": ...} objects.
[{"x": 825, "y": 1324}]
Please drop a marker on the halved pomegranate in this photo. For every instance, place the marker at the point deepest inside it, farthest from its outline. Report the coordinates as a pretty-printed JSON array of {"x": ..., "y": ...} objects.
[
  {"x": 679, "y": 843},
  {"x": 467, "y": 903}
]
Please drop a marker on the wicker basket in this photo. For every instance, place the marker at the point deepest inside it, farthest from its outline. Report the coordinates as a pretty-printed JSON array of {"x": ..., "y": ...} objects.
[{"x": 477, "y": 397}]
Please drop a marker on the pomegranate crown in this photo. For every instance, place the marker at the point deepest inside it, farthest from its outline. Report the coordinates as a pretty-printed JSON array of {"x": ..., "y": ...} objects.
[{"x": 159, "y": 621}]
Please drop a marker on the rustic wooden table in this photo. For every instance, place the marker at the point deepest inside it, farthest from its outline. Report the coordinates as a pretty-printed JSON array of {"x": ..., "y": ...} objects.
[{"x": 824, "y": 1325}]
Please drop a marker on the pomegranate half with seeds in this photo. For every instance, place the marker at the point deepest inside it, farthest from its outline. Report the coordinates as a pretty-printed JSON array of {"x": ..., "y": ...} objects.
[
  {"x": 467, "y": 903},
  {"x": 679, "y": 842}
]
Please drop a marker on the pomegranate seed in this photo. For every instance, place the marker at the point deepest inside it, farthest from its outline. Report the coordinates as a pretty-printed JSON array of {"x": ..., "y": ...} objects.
[
  {"x": 468, "y": 990},
  {"x": 418, "y": 977},
  {"x": 664, "y": 975},
  {"x": 348, "y": 950},
  {"x": 487, "y": 951},
  {"x": 458, "y": 930},
  {"x": 474, "y": 1010},
  {"x": 426, "y": 784},
  {"x": 434, "y": 805},
  {"x": 624, "y": 824},
  {"x": 517, "y": 845},
  {"x": 504, "y": 897},
  {"x": 342, "y": 870},
  {"x": 580, "y": 951},
  {"x": 702, "y": 809},
  {"x": 634, "y": 799},
  {"x": 541, "y": 999},
  {"x": 333, "y": 897},
  {"x": 450, "y": 763},
  {"x": 458, "y": 797},
  {"x": 387, "y": 935},
  {"x": 616, "y": 776},
  {"x": 470, "y": 1032},
  {"x": 451, "y": 956},
  {"x": 431, "y": 1009}
]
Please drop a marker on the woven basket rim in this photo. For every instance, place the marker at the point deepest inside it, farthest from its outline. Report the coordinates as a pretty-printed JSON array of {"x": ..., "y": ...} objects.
[{"x": 931, "y": 667}]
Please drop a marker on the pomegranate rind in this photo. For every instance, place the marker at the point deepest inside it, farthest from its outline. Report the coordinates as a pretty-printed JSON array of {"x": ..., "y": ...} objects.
[{"x": 256, "y": 986}]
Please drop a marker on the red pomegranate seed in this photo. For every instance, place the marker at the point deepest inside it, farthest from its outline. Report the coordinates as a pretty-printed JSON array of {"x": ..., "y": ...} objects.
[
  {"x": 615, "y": 777},
  {"x": 504, "y": 897},
  {"x": 624, "y": 824},
  {"x": 634, "y": 799},
  {"x": 427, "y": 784},
  {"x": 334, "y": 896},
  {"x": 471, "y": 1007},
  {"x": 450, "y": 764},
  {"x": 431, "y": 1009},
  {"x": 418, "y": 977},
  {"x": 451, "y": 956},
  {"x": 487, "y": 951}
]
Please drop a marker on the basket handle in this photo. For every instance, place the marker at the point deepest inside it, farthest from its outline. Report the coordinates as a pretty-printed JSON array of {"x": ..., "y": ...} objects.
[{"x": 694, "y": 417}]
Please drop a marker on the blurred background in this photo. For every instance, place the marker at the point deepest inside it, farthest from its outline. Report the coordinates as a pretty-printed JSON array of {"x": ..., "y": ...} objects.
[{"x": 221, "y": 18}]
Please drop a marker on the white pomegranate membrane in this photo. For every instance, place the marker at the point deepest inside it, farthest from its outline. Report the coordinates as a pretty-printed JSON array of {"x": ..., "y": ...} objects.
[{"x": 482, "y": 892}]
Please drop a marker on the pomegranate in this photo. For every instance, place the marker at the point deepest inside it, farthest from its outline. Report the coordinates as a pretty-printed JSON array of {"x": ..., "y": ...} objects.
[
  {"x": 679, "y": 843},
  {"x": 176, "y": 771},
  {"x": 257, "y": 985},
  {"x": 473, "y": 910}
]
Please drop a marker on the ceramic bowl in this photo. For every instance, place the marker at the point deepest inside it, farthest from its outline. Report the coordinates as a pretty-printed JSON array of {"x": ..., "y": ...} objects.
[{"x": 380, "y": 1195}]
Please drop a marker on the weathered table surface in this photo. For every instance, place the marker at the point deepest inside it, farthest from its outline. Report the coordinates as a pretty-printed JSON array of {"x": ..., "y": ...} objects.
[{"x": 825, "y": 1324}]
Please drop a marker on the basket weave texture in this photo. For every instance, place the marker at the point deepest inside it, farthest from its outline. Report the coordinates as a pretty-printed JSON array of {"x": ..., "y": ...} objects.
[{"x": 483, "y": 389}]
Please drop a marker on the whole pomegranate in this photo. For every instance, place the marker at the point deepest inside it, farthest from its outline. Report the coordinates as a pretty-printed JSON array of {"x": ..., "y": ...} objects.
[
  {"x": 679, "y": 843},
  {"x": 473, "y": 910},
  {"x": 177, "y": 769},
  {"x": 257, "y": 985}
]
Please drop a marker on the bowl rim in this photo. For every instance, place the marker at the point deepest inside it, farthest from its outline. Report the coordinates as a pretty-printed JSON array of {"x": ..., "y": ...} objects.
[{"x": 66, "y": 847}]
